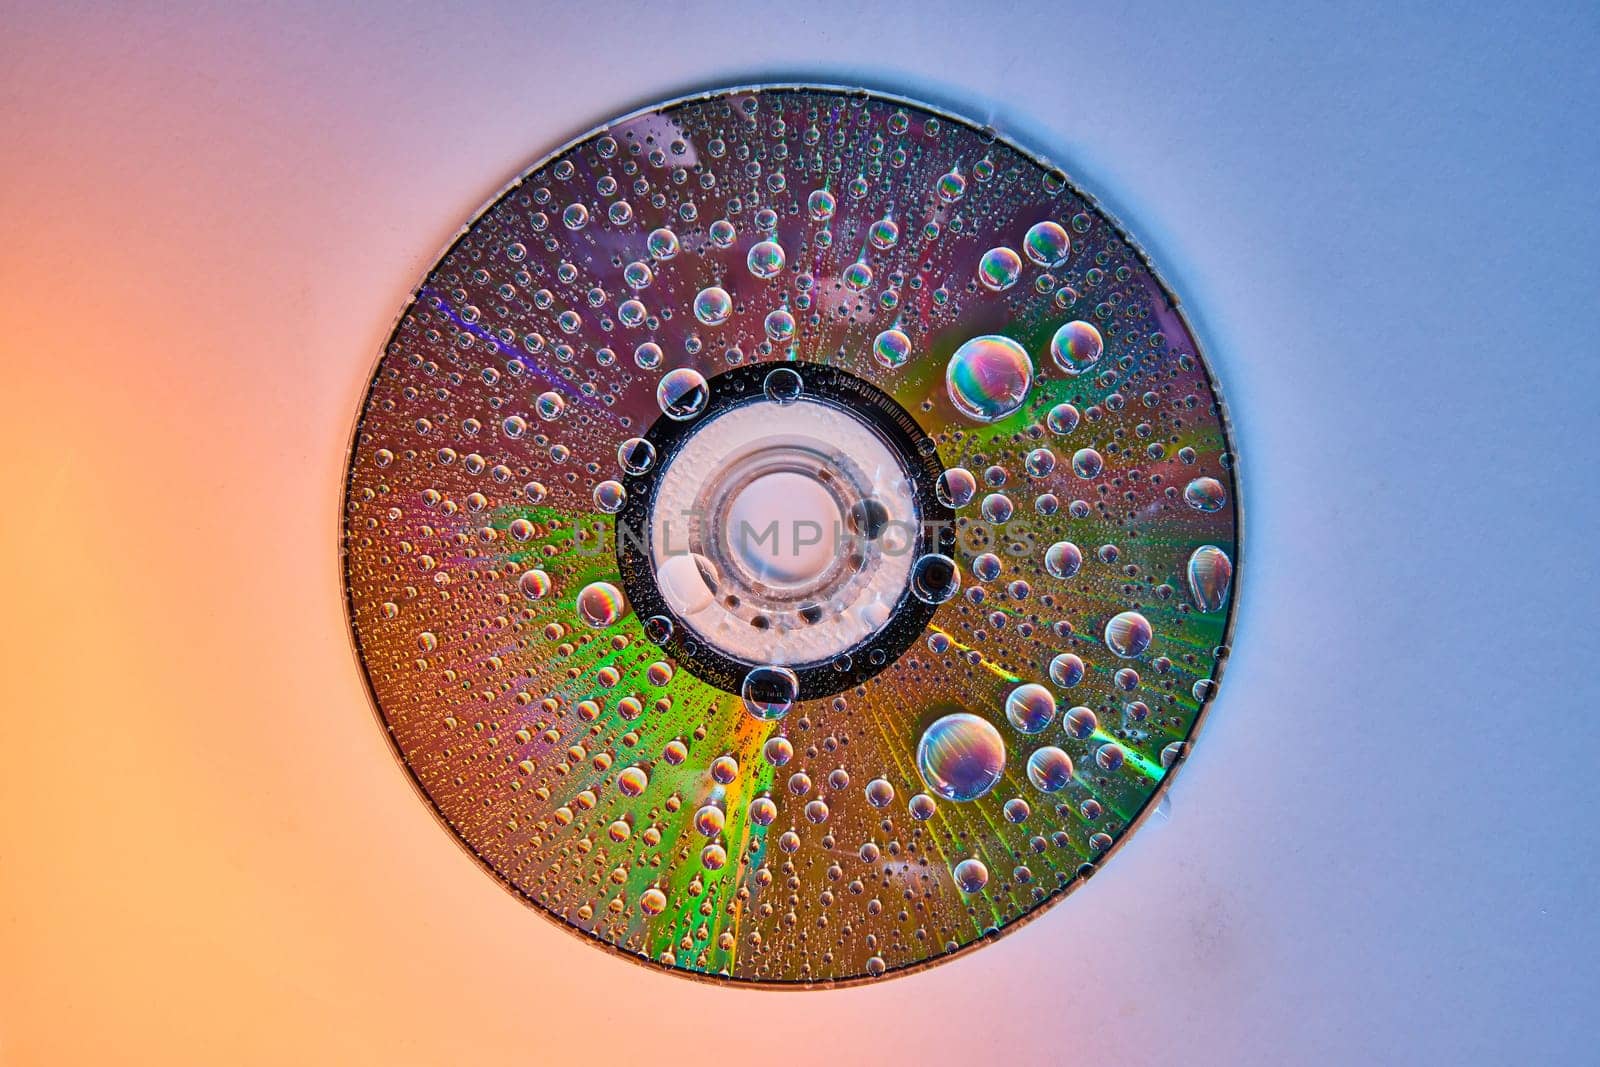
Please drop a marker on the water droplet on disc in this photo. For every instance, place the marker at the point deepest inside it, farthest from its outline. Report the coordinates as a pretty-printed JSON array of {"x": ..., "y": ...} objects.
[
  {"x": 1128, "y": 634},
  {"x": 1210, "y": 572},
  {"x": 682, "y": 394},
  {"x": 988, "y": 378},
  {"x": 769, "y": 692},
  {"x": 961, "y": 757},
  {"x": 600, "y": 604}
]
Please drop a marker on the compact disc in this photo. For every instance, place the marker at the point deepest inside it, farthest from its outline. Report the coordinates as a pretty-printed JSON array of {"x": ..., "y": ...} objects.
[{"x": 790, "y": 536}]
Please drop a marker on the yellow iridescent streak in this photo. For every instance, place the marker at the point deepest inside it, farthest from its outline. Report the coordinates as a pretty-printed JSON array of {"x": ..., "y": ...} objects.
[
  {"x": 1012, "y": 679},
  {"x": 750, "y": 735},
  {"x": 1145, "y": 767},
  {"x": 992, "y": 668}
]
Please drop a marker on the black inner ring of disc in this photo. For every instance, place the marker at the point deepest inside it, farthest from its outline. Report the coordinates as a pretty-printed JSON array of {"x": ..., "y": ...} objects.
[{"x": 865, "y": 401}]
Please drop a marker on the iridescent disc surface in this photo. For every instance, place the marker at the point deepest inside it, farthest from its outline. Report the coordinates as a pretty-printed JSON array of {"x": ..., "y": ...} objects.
[{"x": 927, "y": 754}]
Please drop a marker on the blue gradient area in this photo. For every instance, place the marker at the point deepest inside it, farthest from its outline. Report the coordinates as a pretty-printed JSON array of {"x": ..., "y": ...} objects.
[{"x": 1383, "y": 222}]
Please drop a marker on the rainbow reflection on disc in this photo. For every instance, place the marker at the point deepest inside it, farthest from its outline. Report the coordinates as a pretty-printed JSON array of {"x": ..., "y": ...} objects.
[{"x": 853, "y": 752}]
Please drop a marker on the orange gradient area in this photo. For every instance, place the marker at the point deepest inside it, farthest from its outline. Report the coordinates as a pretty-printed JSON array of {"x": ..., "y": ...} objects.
[{"x": 207, "y": 852}]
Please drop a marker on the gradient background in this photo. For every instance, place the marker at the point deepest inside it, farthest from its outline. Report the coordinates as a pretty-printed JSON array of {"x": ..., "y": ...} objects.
[{"x": 1385, "y": 224}]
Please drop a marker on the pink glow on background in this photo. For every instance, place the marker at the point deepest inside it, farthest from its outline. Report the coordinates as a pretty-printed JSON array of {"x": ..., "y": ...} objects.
[{"x": 208, "y": 221}]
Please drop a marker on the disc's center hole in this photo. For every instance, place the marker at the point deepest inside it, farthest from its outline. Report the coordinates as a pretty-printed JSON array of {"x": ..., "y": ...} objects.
[
  {"x": 769, "y": 529},
  {"x": 783, "y": 529}
]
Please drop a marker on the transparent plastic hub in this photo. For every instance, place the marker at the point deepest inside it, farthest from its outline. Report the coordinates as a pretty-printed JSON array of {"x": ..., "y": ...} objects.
[
  {"x": 784, "y": 532},
  {"x": 785, "y": 500}
]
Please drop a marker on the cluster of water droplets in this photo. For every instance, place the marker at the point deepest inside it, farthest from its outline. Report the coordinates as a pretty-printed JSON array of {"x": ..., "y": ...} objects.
[{"x": 1078, "y": 624}]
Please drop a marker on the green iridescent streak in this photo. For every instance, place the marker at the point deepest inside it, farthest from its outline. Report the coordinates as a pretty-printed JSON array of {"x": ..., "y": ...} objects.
[
  {"x": 664, "y": 931},
  {"x": 562, "y": 536},
  {"x": 688, "y": 781},
  {"x": 751, "y": 839},
  {"x": 1151, "y": 769},
  {"x": 921, "y": 379},
  {"x": 1013, "y": 783},
  {"x": 664, "y": 780},
  {"x": 889, "y": 728}
]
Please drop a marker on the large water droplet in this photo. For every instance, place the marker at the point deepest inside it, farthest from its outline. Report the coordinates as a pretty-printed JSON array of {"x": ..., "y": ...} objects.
[
  {"x": 662, "y": 244},
  {"x": 951, "y": 187},
  {"x": 1205, "y": 494},
  {"x": 636, "y": 455},
  {"x": 1128, "y": 634},
  {"x": 935, "y": 578},
  {"x": 868, "y": 518},
  {"x": 550, "y": 405},
  {"x": 1076, "y": 347},
  {"x": 1087, "y": 463},
  {"x": 971, "y": 875},
  {"x": 1047, "y": 244},
  {"x": 1030, "y": 707},
  {"x": 1066, "y": 670},
  {"x": 961, "y": 756},
  {"x": 956, "y": 487},
  {"x": 709, "y": 820},
  {"x": 986, "y": 566},
  {"x": 610, "y": 497},
  {"x": 783, "y": 385},
  {"x": 989, "y": 377},
  {"x": 1080, "y": 722},
  {"x": 999, "y": 269},
  {"x": 780, "y": 325},
  {"x": 600, "y": 604},
  {"x": 687, "y": 583},
  {"x": 1210, "y": 573},
  {"x": 891, "y": 348},
  {"x": 1049, "y": 769},
  {"x": 765, "y": 259},
  {"x": 535, "y": 584},
  {"x": 1063, "y": 559},
  {"x": 778, "y": 751},
  {"x": 632, "y": 781},
  {"x": 1063, "y": 419},
  {"x": 637, "y": 275},
  {"x": 768, "y": 692},
  {"x": 713, "y": 305},
  {"x": 997, "y": 508},
  {"x": 682, "y": 393}
]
